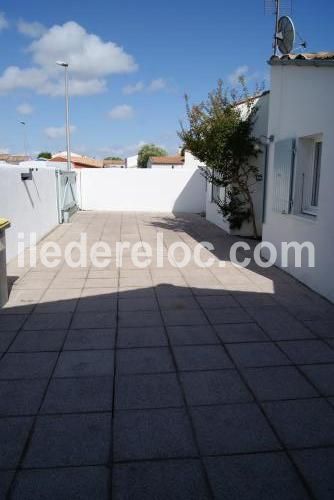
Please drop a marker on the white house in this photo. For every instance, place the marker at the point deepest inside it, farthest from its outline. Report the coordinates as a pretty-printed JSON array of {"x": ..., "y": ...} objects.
[
  {"x": 131, "y": 162},
  {"x": 213, "y": 193},
  {"x": 299, "y": 197},
  {"x": 177, "y": 161}
]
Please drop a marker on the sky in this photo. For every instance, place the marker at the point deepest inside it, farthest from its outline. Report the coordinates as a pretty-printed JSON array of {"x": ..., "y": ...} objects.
[{"x": 130, "y": 64}]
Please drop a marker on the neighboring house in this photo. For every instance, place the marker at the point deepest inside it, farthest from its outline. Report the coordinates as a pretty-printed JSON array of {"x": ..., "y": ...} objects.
[
  {"x": 113, "y": 163},
  {"x": 165, "y": 161},
  {"x": 131, "y": 162},
  {"x": 214, "y": 193},
  {"x": 13, "y": 159},
  {"x": 300, "y": 184},
  {"x": 78, "y": 161}
]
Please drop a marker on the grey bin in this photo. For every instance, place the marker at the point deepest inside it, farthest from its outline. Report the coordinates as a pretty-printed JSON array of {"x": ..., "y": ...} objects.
[{"x": 4, "y": 224}]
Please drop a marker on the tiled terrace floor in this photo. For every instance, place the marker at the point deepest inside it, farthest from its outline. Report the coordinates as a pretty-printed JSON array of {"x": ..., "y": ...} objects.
[{"x": 164, "y": 383}]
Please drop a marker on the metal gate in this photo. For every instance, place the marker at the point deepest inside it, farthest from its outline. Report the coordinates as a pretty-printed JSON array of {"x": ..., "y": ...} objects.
[{"x": 66, "y": 194}]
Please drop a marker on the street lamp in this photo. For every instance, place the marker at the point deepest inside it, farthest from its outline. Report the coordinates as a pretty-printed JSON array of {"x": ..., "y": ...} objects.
[
  {"x": 68, "y": 145},
  {"x": 24, "y": 137}
]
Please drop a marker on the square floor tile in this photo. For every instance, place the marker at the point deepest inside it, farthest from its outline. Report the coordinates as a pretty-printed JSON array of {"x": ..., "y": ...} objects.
[
  {"x": 12, "y": 322},
  {"x": 98, "y": 303},
  {"x": 149, "y": 336},
  {"x": 146, "y": 360},
  {"x": 5, "y": 339},
  {"x": 255, "y": 477},
  {"x": 279, "y": 324},
  {"x": 146, "y": 434},
  {"x": 77, "y": 395},
  {"x": 214, "y": 387},
  {"x": 94, "y": 338},
  {"x": 180, "y": 302},
  {"x": 203, "y": 357},
  {"x": 177, "y": 317},
  {"x": 139, "y": 304},
  {"x": 322, "y": 328},
  {"x": 217, "y": 302},
  {"x": 27, "y": 365},
  {"x": 21, "y": 397},
  {"x": 278, "y": 382},
  {"x": 308, "y": 351},
  {"x": 54, "y": 321},
  {"x": 38, "y": 340},
  {"x": 84, "y": 483},
  {"x": 14, "y": 433},
  {"x": 6, "y": 478},
  {"x": 257, "y": 354},
  {"x": 243, "y": 332},
  {"x": 316, "y": 465},
  {"x": 192, "y": 335},
  {"x": 228, "y": 315},
  {"x": 82, "y": 320},
  {"x": 85, "y": 364},
  {"x": 237, "y": 428},
  {"x": 163, "y": 480},
  {"x": 148, "y": 391},
  {"x": 302, "y": 423},
  {"x": 322, "y": 376},
  {"x": 139, "y": 318},
  {"x": 60, "y": 441}
]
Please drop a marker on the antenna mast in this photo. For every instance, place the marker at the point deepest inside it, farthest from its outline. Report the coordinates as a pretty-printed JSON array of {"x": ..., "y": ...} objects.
[{"x": 277, "y": 14}]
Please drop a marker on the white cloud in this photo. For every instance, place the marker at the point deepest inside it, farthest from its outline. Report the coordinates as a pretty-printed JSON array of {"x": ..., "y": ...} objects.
[
  {"x": 133, "y": 89},
  {"x": 25, "y": 109},
  {"x": 58, "y": 132},
  {"x": 121, "y": 112},
  {"x": 122, "y": 150},
  {"x": 90, "y": 60},
  {"x": 3, "y": 22},
  {"x": 32, "y": 29},
  {"x": 234, "y": 77},
  {"x": 156, "y": 85},
  {"x": 4, "y": 151}
]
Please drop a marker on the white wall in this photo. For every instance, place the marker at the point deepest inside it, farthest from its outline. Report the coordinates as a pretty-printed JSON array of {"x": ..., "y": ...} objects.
[
  {"x": 154, "y": 190},
  {"x": 31, "y": 206},
  {"x": 212, "y": 212},
  {"x": 131, "y": 161},
  {"x": 302, "y": 104}
]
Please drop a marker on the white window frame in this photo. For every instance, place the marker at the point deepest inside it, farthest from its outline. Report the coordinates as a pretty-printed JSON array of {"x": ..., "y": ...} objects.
[{"x": 311, "y": 179}]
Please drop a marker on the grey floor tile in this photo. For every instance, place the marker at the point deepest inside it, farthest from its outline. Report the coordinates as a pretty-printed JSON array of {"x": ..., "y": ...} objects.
[
  {"x": 228, "y": 315},
  {"x": 237, "y": 428},
  {"x": 93, "y": 338},
  {"x": 38, "y": 340},
  {"x": 316, "y": 465},
  {"x": 203, "y": 357},
  {"x": 192, "y": 335},
  {"x": 139, "y": 304},
  {"x": 214, "y": 387},
  {"x": 180, "y": 302},
  {"x": 21, "y": 397},
  {"x": 139, "y": 318},
  {"x": 244, "y": 332},
  {"x": 6, "y": 478},
  {"x": 322, "y": 376},
  {"x": 302, "y": 423},
  {"x": 84, "y": 483},
  {"x": 258, "y": 476},
  {"x": 98, "y": 303},
  {"x": 27, "y": 365},
  {"x": 69, "y": 440},
  {"x": 82, "y": 320},
  {"x": 147, "y": 434},
  {"x": 56, "y": 306},
  {"x": 217, "y": 302},
  {"x": 12, "y": 322},
  {"x": 279, "y": 324},
  {"x": 322, "y": 328},
  {"x": 14, "y": 433},
  {"x": 163, "y": 480},
  {"x": 85, "y": 364},
  {"x": 146, "y": 360},
  {"x": 5, "y": 339},
  {"x": 148, "y": 391},
  {"x": 54, "y": 321},
  {"x": 257, "y": 354},
  {"x": 77, "y": 395},
  {"x": 278, "y": 382},
  {"x": 177, "y": 317},
  {"x": 149, "y": 336},
  {"x": 308, "y": 351}
]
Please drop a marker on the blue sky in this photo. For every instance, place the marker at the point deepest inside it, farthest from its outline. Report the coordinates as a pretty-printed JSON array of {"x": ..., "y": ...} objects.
[{"x": 131, "y": 63}]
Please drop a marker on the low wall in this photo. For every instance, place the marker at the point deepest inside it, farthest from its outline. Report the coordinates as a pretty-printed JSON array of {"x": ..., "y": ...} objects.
[
  {"x": 31, "y": 206},
  {"x": 149, "y": 190}
]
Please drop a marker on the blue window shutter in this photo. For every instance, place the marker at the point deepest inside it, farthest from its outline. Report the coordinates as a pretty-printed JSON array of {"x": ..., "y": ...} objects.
[{"x": 284, "y": 159}]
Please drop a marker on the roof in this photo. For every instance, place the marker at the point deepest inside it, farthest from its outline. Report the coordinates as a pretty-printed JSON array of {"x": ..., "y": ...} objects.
[
  {"x": 304, "y": 59},
  {"x": 80, "y": 161},
  {"x": 13, "y": 158},
  {"x": 167, "y": 160},
  {"x": 113, "y": 162}
]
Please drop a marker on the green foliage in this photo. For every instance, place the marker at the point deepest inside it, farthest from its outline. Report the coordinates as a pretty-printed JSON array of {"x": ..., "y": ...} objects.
[
  {"x": 147, "y": 151},
  {"x": 219, "y": 134},
  {"x": 45, "y": 154},
  {"x": 113, "y": 158}
]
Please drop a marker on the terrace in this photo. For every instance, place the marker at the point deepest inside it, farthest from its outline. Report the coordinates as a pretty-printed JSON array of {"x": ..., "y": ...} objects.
[{"x": 164, "y": 382}]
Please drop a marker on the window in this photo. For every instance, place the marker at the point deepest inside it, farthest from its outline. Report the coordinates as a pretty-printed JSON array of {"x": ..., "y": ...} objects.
[
  {"x": 311, "y": 167},
  {"x": 284, "y": 162},
  {"x": 316, "y": 174}
]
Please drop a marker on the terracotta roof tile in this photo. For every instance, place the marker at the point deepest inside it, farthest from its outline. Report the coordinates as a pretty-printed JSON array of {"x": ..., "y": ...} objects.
[{"x": 167, "y": 160}]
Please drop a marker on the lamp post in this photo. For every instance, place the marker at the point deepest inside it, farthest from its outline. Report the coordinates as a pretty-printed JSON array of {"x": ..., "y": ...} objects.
[
  {"x": 24, "y": 124},
  {"x": 68, "y": 144}
]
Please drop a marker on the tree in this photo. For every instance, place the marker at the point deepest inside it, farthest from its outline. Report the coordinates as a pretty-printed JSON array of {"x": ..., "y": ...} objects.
[
  {"x": 219, "y": 134},
  {"x": 45, "y": 154},
  {"x": 147, "y": 151},
  {"x": 113, "y": 158}
]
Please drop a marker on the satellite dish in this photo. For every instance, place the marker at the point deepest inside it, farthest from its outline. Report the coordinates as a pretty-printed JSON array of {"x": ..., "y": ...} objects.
[{"x": 285, "y": 35}]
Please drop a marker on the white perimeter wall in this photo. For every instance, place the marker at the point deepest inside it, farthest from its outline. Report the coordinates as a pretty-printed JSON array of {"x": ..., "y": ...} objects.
[
  {"x": 302, "y": 104},
  {"x": 31, "y": 206},
  {"x": 212, "y": 212},
  {"x": 153, "y": 190}
]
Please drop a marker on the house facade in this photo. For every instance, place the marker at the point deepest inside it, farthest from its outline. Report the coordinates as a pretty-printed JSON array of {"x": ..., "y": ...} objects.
[{"x": 299, "y": 203}]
